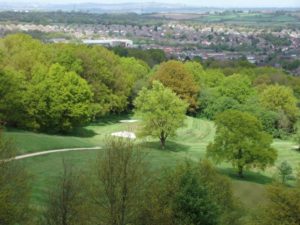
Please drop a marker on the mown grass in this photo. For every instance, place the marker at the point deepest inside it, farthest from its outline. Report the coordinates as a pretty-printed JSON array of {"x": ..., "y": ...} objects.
[{"x": 190, "y": 143}]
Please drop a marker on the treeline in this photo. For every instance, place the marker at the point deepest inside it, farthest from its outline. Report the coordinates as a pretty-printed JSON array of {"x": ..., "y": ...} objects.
[
  {"x": 151, "y": 56},
  {"x": 57, "y": 87},
  {"x": 121, "y": 187},
  {"x": 79, "y": 18},
  {"x": 267, "y": 93}
]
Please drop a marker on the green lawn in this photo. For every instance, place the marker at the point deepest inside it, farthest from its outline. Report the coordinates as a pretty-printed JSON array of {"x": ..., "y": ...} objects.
[{"x": 190, "y": 143}]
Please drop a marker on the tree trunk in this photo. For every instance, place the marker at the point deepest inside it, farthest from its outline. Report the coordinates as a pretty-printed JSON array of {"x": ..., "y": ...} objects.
[
  {"x": 240, "y": 171},
  {"x": 283, "y": 179},
  {"x": 162, "y": 143},
  {"x": 162, "y": 139},
  {"x": 240, "y": 167}
]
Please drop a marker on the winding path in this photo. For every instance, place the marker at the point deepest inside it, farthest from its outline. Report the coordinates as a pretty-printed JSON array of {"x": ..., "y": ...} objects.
[{"x": 29, "y": 155}]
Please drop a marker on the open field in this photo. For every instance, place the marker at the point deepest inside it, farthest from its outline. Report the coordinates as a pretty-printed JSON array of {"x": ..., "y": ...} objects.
[
  {"x": 250, "y": 19},
  {"x": 236, "y": 18},
  {"x": 190, "y": 143}
]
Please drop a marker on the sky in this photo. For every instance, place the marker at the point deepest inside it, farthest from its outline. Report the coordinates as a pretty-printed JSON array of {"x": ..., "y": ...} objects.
[{"x": 214, "y": 3}]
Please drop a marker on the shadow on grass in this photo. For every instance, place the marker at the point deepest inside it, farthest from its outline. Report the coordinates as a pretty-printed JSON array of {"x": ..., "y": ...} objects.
[
  {"x": 171, "y": 146},
  {"x": 77, "y": 132},
  {"x": 111, "y": 119},
  {"x": 249, "y": 176},
  {"x": 81, "y": 132}
]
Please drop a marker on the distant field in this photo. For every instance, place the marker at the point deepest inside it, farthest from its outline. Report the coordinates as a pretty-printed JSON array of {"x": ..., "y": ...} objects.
[
  {"x": 255, "y": 19},
  {"x": 243, "y": 19},
  {"x": 190, "y": 143}
]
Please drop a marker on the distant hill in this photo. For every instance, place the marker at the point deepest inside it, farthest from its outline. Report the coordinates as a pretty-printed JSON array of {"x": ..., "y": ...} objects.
[{"x": 147, "y": 7}]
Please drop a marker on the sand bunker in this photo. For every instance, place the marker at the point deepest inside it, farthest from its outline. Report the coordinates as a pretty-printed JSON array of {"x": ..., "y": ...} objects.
[
  {"x": 124, "y": 134},
  {"x": 128, "y": 121}
]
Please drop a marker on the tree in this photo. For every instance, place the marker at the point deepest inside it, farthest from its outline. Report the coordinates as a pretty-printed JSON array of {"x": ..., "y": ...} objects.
[
  {"x": 282, "y": 207},
  {"x": 196, "y": 70},
  {"x": 193, "y": 203},
  {"x": 109, "y": 82},
  {"x": 280, "y": 99},
  {"x": 174, "y": 75},
  {"x": 213, "y": 77},
  {"x": 119, "y": 182},
  {"x": 12, "y": 88},
  {"x": 65, "y": 200},
  {"x": 58, "y": 101},
  {"x": 297, "y": 136},
  {"x": 190, "y": 194},
  {"x": 137, "y": 72},
  {"x": 285, "y": 170},
  {"x": 237, "y": 87},
  {"x": 161, "y": 111},
  {"x": 14, "y": 187},
  {"x": 269, "y": 119},
  {"x": 240, "y": 140},
  {"x": 219, "y": 105}
]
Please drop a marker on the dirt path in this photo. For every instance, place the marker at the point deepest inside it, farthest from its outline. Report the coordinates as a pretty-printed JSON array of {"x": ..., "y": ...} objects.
[{"x": 29, "y": 155}]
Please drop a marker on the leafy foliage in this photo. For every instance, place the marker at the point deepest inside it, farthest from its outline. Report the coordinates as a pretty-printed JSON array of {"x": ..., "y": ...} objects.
[
  {"x": 280, "y": 99},
  {"x": 283, "y": 207},
  {"x": 161, "y": 111},
  {"x": 240, "y": 140},
  {"x": 14, "y": 187},
  {"x": 190, "y": 194},
  {"x": 59, "y": 102},
  {"x": 285, "y": 170},
  {"x": 175, "y": 76},
  {"x": 57, "y": 87},
  {"x": 119, "y": 182}
]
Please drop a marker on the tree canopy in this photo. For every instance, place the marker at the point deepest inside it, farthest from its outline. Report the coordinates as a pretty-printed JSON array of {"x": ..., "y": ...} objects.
[
  {"x": 280, "y": 99},
  {"x": 14, "y": 186},
  {"x": 241, "y": 141},
  {"x": 175, "y": 76},
  {"x": 161, "y": 111}
]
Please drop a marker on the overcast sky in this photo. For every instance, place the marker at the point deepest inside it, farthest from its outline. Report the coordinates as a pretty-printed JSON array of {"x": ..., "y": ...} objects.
[{"x": 214, "y": 3}]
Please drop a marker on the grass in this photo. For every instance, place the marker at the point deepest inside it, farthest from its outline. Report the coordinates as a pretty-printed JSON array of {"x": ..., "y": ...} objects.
[{"x": 190, "y": 143}]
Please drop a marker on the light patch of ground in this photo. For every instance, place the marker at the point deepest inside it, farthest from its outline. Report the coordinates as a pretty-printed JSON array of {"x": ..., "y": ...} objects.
[
  {"x": 124, "y": 134},
  {"x": 49, "y": 152},
  {"x": 128, "y": 121}
]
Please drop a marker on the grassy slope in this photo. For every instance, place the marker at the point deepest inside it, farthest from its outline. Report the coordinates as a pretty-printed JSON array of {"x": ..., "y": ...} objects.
[{"x": 190, "y": 143}]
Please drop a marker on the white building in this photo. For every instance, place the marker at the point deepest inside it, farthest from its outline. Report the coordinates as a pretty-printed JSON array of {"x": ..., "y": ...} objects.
[{"x": 110, "y": 42}]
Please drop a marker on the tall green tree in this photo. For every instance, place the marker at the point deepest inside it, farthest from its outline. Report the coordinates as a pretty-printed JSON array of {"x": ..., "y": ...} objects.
[
  {"x": 12, "y": 88},
  {"x": 190, "y": 194},
  {"x": 65, "y": 201},
  {"x": 213, "y": 77},
  {"x": 109, "y": 82},
  {"x": 14, "y": 187},
  {"x": 297, "y": 136},
  {"x": 241, "y": 141},
  {"x": 174, "y": 75},
  {"x": 280, "y": 99},
  {"x": 119, "y": 181},
  {"x": 58, "y": 101},
  {"x": 161, "y": 111},
  {"x": 238, "y": 87},
  {"x": 282, "y": 207},
  {"x": 196, "y": 70},
  {"x": 137, "y": 72},
  {"x": 193, "y": 203},
  {"x": 285, "y": 170}
]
